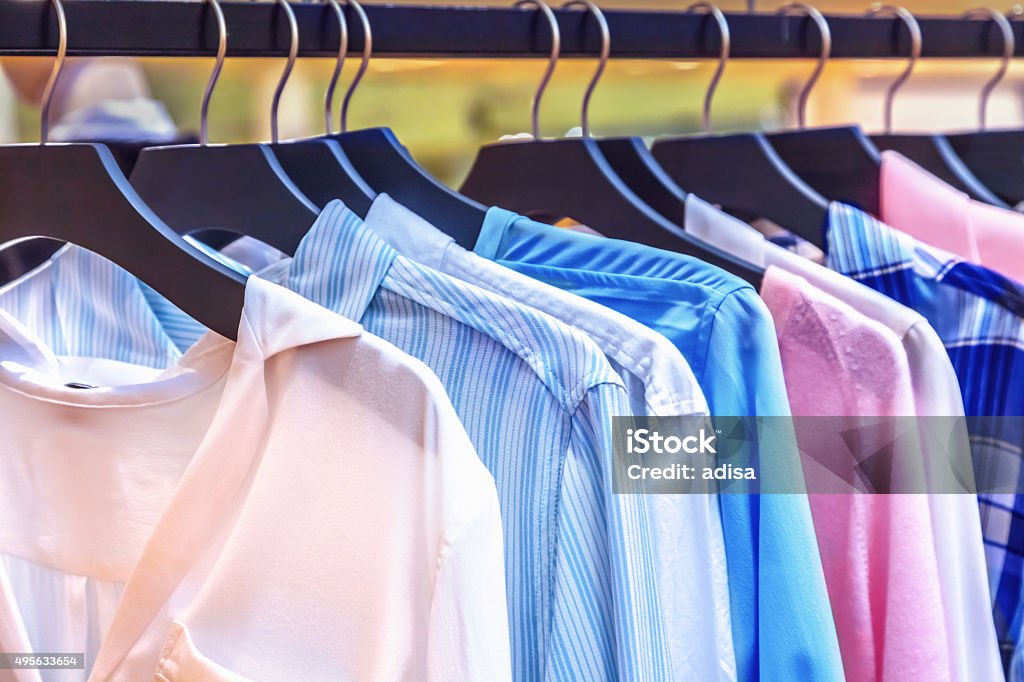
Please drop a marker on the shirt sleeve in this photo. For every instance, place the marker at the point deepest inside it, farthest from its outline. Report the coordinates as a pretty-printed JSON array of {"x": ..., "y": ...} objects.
[
  {"x": 469, "y": 638},
  {"x": 776, "y": 582}
]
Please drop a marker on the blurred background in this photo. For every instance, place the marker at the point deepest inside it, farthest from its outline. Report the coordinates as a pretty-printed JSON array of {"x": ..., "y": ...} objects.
[{"x": 443, "y": 110}]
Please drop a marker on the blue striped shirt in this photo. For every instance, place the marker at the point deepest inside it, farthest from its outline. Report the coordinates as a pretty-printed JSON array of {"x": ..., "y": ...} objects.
[
  {"x": 536, "y": 397},
  {"x": 979, "y": 315},
  {"x": 781, "y": 617}
]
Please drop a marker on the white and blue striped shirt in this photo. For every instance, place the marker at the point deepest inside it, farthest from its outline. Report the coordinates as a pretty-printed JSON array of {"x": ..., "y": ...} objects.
[
  {"x": 690, "y": 548},
  {"x": 536, "y": 396}
]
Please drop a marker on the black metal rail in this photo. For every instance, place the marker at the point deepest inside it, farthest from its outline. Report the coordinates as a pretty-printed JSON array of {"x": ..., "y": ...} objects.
[{"x": 152, "y": 28}]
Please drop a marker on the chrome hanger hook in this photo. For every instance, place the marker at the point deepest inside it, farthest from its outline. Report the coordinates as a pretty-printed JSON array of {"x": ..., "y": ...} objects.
[
  {"x": 723, "y": 57},
  {"x": 1009, "y": 46},
  {"x": 338, "y": 64},
  {"x": 222, "y": 49},
  {"x": 293, "y": 53},
  {"x": 826, "y": 53},
  {"x": 606, "y": 49},
  {"x": 58, "y": 66},
  {"x": 908, "y": 19},
  {"x": 556, "y": 50},
  {"x": 364, "y": 63}
]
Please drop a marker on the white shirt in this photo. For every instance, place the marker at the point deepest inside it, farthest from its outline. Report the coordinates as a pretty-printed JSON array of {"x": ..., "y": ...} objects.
[
  {"x": 303, "y": 504},
  {"x": 956, "y": 523},
  {"x": 659, "y": 382}
]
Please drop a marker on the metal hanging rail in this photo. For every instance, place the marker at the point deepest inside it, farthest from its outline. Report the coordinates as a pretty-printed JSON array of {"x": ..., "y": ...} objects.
[{"x": 162, "y": 28}]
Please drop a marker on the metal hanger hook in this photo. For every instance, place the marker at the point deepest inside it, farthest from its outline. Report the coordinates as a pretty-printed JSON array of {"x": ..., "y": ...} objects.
[
  {"x": 364, "y": 63},
  {"x": 338, "y": 64},
  {"x": 826, "y": 53},
  {"x": 556, "y": 50},
  {"x": 58, "y": 66},
  {"x": 1009, "y": 46},
  {"x": 606, "y": 49},
  {"x": 723, "y": 57},
  {"x": 904, "y": 15},
  {"x": 222, "y": 49},
  {"x": 293, "y": 53}
]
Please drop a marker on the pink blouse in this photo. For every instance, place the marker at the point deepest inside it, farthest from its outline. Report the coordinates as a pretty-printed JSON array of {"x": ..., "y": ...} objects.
[
  {"x": 877, "y": 550},
  {"x": 918, "y": 203}
]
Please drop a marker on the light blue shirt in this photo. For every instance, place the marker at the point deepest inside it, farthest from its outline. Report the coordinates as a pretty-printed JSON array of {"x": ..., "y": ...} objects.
[
  {"x": 782, "y": 621},
  {"x": 690, "y": 548},
  {"x": 536, "y": 397}
]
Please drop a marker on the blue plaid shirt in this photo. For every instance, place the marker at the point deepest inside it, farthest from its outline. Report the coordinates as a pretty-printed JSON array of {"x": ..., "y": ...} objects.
[{"x": 979, "y": 315}]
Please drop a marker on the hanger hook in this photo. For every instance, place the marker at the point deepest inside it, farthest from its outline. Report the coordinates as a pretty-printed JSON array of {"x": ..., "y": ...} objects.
[
  {"x": 222, "y": 49},
  {"x": 58, "y": 66},
  {"x": 556, "y": 50},
  {"x": 908, "y": 19},
  {"x": 364, "y": 63},
  {"x": 293, "y": 53},
  {"x": 338, "y": 64},
  {"x": 826, "y": 53},
  {"x": 1009, "y": 46},
  {"x": 606, "y": 48},
  {"x": 723, "y": 57}
]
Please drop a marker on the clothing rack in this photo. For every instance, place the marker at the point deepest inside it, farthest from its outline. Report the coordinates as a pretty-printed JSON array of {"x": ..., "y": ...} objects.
[{"x": 161, "y": 28}]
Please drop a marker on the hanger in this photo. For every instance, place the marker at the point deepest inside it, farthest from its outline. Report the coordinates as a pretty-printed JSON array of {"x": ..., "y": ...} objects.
[
  {"x": 632, "y": 161},
  {"x": 388, "y": 167},
  {"x": 996, "y": 157},
  {"x": 240, "y": 188},
  {"x": 569, "y": 177},
  {"x": 839, "y": 162},
  {"x": 742, "y": 172},
  {"x": 319, "y": 166},
  {"x": 77, "y": 193},
  {"x": 934, "y": 152}
]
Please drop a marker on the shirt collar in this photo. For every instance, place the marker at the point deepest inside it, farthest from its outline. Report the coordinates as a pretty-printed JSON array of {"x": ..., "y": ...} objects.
[
  {"x": 340, "y": 263},
  {"x": 280, "y": 320},
  {"x": 81, "y": 304},
  {"x": 916, "y": 202},
  {"x": 669, "y": 383},
  {"x": 410, "y": 234},
  {"x": 733, "y": 236},
  {"x": 492, "y": 232}
]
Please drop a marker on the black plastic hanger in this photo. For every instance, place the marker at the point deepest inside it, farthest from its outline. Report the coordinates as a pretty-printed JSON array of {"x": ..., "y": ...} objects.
[
  {"x": 388, "y": 167},
  {"x": 319, "y": 166},
  {"x": 551, "y": 179},
  {"x": 935, "y": 153},
  {"x": 742, "y": 172},
  {"x": 77, "y": 193},
  {"x": 632, "y": 161},
  {"x": 996, "y": 157},
  {"x": 239, "y": 188},
  {"x": 840, "y": 163}
]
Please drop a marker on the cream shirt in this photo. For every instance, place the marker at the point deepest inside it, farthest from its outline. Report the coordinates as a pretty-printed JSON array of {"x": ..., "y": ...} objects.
[{"x": 302, "y": 504}]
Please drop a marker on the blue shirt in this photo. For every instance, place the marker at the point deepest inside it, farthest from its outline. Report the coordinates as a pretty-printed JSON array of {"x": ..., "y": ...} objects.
[
  {"x": 536, "y": 397},
  {"x": 979, "y": 315},
  {"x": 782, "y": 620}
]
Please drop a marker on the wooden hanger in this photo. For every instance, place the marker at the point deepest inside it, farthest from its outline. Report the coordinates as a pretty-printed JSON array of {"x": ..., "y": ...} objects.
[
  {"x": 742, "y": 173},
  {"x": 239, "y": 188},
  {"x": 569, "y": 177},
  {"x": 934, "y": 152},
  {"x": 319, "y": 166},
  {"x": 77, "y": 193},
  {"x": 840, "y": 163}
]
